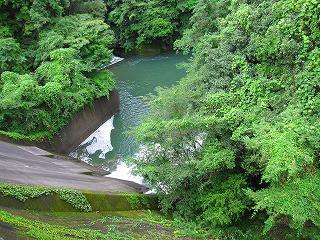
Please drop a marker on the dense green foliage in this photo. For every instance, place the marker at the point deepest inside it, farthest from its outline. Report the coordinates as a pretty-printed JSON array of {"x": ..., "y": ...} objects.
[
  {"x": 23, "y": 193},
  {"x": 241, "y": 132},
  {"x": 239, "y": 135},
  {"x": 137, "y": 23},
  {"x": 48, "y": 50}
]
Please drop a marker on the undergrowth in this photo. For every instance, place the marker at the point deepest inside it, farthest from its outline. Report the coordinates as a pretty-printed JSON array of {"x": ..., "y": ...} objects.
[
  {"x": 41, "y": 230},
  {"x": 23, "y": 193}
]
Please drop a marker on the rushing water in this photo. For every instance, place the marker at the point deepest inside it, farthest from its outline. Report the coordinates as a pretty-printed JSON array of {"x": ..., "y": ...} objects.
[{"x": 109, "y": 146}]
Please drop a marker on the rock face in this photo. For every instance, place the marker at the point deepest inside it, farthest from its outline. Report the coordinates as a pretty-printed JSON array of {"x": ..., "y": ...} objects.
[{"x": 84, "y": 123}]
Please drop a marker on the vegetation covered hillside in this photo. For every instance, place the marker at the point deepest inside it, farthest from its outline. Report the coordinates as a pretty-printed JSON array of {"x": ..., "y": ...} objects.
[
  {"x": 48, "y": 50},
  {"x": 239, "y": 137},
  {"x": 137, "y": 23}
]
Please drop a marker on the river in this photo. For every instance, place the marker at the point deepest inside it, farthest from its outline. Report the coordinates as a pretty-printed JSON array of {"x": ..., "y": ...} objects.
[{"x": 136, "y": 77}]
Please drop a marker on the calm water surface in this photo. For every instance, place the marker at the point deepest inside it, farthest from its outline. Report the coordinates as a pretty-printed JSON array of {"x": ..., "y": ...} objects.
[{"x": 109, "y": 146}]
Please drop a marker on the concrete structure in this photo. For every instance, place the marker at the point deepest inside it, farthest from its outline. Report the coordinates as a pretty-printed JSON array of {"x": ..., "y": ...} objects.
[
  {"x": 27, "y": 166},
  {"x": 79, "y": 128}
]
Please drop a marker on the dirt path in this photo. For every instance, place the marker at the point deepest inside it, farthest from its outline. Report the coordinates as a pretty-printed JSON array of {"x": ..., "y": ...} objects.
[{"x": 27, "y": 166}]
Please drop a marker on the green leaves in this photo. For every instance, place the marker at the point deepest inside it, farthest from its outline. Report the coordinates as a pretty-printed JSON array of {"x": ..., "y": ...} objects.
[
  {"x": 138, "y": 23},
  {"x": 51, "y": 91},
  {"x": 299, "y": 200},
  {"x": 11, "y": 55},
  {"x": 216, "y": 157},
  {"x": 43, "y": 11},
  {"x": 282, "y": 155},
  {"x": 17, "y": 98},
  {"x": 75, "y": 198},
  {"x": 23, "y": 193},
  {"x": 248, "y": 110},
  {"x": 90, "y": 36},
  {"x": 225, "y": 201}
]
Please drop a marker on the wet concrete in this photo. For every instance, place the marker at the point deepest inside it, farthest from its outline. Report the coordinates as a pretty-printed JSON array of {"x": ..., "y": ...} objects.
[{"x": 19, "y": 166}]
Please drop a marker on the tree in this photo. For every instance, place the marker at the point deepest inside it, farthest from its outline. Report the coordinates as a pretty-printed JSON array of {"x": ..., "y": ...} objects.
[
  {"x": 38, "y": 105},
  {"x": 11, "y": 55},
  {"x": 90, "y": 36},
  {"x": 19, "y": 95},
  {"x": 96, "y": 8},
  {"x": 46, "y": 59},
  {"x": 245, "y": 116},
  {"x": 143, "y": 22}
]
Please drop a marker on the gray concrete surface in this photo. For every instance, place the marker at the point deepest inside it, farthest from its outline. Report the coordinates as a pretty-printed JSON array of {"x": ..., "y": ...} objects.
[
  {"x": 36, "y": 151},
  {"x": 18, "y": 165}
]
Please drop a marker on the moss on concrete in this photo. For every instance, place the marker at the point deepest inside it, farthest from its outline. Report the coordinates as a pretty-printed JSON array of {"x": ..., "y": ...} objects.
[
  {"x": 98, "y": 202},
  {"x": 94, "y": 225},
  {"x": 121, "y": 202},
  {"x": 51, "y": 203}
]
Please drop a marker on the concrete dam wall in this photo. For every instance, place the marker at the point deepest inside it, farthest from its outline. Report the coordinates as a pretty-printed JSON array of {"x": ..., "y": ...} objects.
[
  {"x": 84, "y": 123},
  {"x": 79, "y": 127}
]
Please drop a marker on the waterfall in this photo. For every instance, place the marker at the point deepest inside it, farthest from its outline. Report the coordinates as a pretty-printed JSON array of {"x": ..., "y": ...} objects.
[
  {"x": 135, "y": 78},
  {"x": 114, "y": 60}
]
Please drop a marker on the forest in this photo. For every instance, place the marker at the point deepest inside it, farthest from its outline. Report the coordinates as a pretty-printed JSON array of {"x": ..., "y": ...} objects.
[{"x": 236, "y": 140}]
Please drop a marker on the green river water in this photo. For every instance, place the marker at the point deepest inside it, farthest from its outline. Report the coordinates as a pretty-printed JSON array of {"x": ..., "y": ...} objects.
[{"x": 136, "y": 77}]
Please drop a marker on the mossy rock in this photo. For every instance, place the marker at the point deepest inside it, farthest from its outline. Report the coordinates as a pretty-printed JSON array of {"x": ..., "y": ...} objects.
[
  {"x": 102, "y": 202},
  {"x": 51, "y": 203}
]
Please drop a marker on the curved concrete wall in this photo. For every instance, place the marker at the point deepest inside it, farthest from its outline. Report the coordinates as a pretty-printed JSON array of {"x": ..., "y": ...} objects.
[
  {"x": 84, "y": 123},
  {"x": 79, "y": 128}
]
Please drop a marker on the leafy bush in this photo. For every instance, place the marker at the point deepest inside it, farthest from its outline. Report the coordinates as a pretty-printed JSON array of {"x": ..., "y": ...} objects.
[
  {"x": 45, "y": 77},
  {"x": 245, "y": 116},
  {"x": 23, "y": 193}
]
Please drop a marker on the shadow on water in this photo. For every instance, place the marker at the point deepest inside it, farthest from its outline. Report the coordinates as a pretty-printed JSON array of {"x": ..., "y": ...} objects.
[{"x": 110, "y": 146}]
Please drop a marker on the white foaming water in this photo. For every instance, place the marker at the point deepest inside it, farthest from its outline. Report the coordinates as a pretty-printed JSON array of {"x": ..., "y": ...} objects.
[
  {"x": 115, "y": 59},
  {"x": 103, "y": 139},
  {"x": 124, "y": 172},
  {"x": 98, "y": 140}
]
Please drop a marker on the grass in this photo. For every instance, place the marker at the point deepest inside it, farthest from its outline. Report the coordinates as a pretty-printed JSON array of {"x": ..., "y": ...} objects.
[
  {"x": 134, "y": 224},
  {"x": 141, "y": 224}
]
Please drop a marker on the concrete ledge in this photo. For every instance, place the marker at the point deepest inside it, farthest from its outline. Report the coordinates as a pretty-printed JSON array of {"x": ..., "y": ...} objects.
[
  {"x": 21, "y": 167},
  {"x": 98, "y": 202}
]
